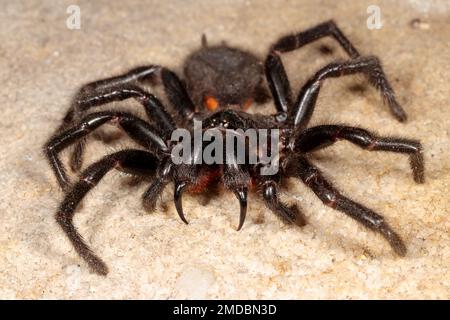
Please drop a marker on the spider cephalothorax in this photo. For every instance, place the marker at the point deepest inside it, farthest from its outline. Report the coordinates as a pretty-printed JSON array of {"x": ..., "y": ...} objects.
[{"x": 219, "y": 84}]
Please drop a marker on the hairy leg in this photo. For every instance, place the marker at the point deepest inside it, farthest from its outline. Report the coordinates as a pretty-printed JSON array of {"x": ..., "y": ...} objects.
[
  {"x": 139, "y": 130},
  {"x": 288, "y": 214},
  {"x": 162, "y": 178},
  {"x": 103, "y": 91},
  {"x": 124, "y": 87},
  {"x": 279, "y": 82},
  {"x": 299, "y": 167},
  {"x": 136, "y": 161},
  {"x": 275, "y": 72},
  {"x": 322, "y": 136},
  {"x": 369, "y": 66}
]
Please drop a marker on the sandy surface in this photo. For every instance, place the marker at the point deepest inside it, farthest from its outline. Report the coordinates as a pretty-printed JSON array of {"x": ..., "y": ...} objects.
[{"x": 155, "y": 255}]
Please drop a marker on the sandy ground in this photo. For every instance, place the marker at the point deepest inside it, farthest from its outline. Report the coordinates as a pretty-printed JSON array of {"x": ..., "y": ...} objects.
[{"x": 155, "y": 255}]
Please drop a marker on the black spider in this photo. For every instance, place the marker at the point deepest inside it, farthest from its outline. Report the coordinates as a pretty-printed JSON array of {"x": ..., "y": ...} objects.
[{"x": 220, "y": 82}]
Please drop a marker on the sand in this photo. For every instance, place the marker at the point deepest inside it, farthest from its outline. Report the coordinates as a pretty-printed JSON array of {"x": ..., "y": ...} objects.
[{"x": 154, "y": 255}]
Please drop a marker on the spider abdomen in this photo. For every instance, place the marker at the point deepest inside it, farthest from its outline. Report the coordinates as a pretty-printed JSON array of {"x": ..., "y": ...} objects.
[{"x": 230, "y": 75}]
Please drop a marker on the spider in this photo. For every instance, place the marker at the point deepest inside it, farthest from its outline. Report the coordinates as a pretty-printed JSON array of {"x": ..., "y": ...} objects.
[{"x": 220, "y": 83}]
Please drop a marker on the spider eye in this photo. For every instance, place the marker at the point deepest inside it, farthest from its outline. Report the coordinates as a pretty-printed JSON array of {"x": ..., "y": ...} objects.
[{"x": 211, "y": 103}]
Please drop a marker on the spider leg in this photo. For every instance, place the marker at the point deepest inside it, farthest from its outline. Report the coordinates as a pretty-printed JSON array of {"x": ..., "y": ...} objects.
[
  {"x": 153, "y": 107},
  {"x": 162, "y": 178},
  {"x": 325, "y": 29},
  {"x": 139, "y": 130},
  {"x": 136, "y": 161},
  {"x": 279, "y": 82},
  {"x": 288, "y": 214},
  {"x": 300, "y": 167},
  {"x": 275, "y": 72},
  {"x": 123, "y": 87},
  {"x": 102, "y": 91},
  {"x": 325, "y": 135},
  {"x": 370, "y": 66},
  {"x": 183, "y": 175},
  {"x": 177, "y": 94}
]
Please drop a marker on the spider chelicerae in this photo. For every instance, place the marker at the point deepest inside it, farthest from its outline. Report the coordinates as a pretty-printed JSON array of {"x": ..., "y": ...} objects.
[{"x": 220, "y": 83}]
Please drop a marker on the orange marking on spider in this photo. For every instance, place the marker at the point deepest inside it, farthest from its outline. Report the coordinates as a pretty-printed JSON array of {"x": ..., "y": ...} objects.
[{"x": 211, "y": 103}]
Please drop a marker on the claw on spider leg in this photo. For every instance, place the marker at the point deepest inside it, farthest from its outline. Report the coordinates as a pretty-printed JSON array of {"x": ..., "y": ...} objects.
[
  {"x": 177, "y": 198},
  {"x": 241, "y": 194},
  {"x": 394, "y": 239}
]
